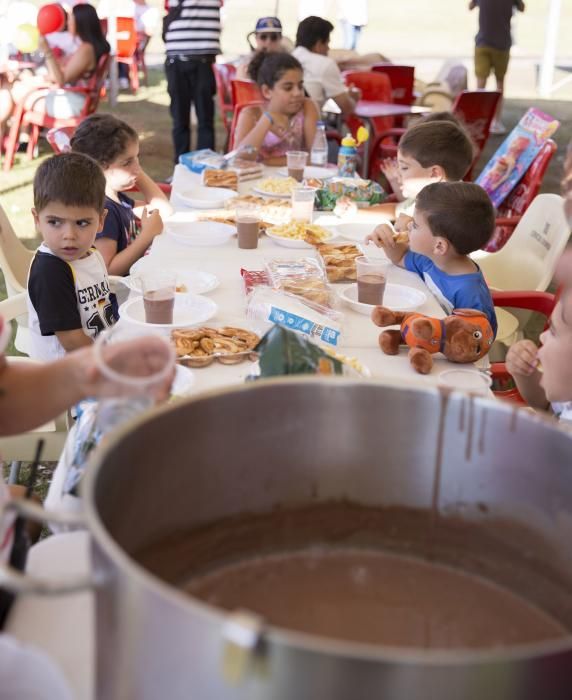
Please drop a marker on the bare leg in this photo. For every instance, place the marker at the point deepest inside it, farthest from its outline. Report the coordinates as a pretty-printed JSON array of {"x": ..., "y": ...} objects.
[
  {"x": 481, "y": 83},
  {"x": 500, "y": 88}
]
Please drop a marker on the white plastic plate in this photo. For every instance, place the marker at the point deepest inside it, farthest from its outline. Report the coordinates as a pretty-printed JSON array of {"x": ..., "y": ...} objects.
[{"x": 397, "y": 297}]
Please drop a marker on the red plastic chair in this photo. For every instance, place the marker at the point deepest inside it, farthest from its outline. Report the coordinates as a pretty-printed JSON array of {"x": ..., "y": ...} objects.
[
  {"x": 59, "y": 139},
  {"x": 127, "y": 45},
  {"x": 541, "y": 302},
  {"x": 224, "y": 73},
  {"x": 238, "y": 109},
  {"x": 402, "y": 79},
  {"x": 243, "y": 91},
  {"x": 23, "y": 117},
  {"x": 374, "y": 87},
  {"x": 511, "y": 210},
  {"x": 476, "y": 109}
]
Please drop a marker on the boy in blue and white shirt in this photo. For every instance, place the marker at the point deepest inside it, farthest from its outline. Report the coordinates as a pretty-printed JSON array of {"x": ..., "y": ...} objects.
[{"x": 451, "y": 220}]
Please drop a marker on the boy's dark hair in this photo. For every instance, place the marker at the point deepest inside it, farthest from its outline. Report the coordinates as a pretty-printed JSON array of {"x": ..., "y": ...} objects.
[
  {"x": 311, "y": 30},
  {"x": 73, "y": 179},
  {"x": 439, "y": 143},
  {"x": 441, "y": 117},
  {"x": 103, "y": 137},
  {"x": 267, "y": 68},
  {"x": 461, "y": 212}
]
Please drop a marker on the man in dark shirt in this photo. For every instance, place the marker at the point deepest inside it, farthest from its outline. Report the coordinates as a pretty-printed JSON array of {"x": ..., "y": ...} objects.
[
  {"x": 492, "y": 45},
  {"x": 192, "y": 42}
]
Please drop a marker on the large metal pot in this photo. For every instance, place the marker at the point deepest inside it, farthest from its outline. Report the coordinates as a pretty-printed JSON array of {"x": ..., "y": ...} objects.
[{"x": 286, "y": 444}]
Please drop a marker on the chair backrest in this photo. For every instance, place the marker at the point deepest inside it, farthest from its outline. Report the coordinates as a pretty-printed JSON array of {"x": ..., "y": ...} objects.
[
  {"x": 237, "y": 110},
  {"x": 373, "y": 86},
  {"x": 476, "y": 109},
  {"x": 402, "y": 79},
  {"x": 223, "y": 73},
  {"x": 243, "y": 91},
  {"x": 15, "y": 258},
  {"x": 126, "y": 37},
  {"x": 59, "y": 138},
  {"x": 96, "y": 85},
  {"x": 528, "y": 260}
]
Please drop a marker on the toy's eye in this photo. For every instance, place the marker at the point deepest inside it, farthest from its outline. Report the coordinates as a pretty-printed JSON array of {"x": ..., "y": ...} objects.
[{"x": 477, "y": 335}]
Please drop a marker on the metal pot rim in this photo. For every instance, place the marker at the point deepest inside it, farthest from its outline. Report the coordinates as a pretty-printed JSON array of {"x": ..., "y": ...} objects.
[{"x": 278, "y": 635}]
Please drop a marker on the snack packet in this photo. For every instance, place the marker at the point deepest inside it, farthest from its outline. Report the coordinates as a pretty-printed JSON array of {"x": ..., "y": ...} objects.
[
  {"x": 267, "y": 306},
  {"x": 197, "y": 161},
  {"x": 364, "y": 193},
  {"x": 284, "y": 352}
]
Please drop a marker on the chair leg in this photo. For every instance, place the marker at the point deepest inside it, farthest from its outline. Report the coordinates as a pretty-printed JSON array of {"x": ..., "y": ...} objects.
[
  {"x": 14, "y": 472},
  {"x": 33, "y": 142},
  {"x": 13, "y": 139}
]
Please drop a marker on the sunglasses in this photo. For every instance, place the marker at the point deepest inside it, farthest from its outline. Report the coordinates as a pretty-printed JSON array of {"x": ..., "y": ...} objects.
[{"x": 273, "y": 37}]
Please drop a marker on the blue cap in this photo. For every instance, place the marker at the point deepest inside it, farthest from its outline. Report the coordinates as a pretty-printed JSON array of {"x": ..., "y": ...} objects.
[{"x": 268, "y": 24}]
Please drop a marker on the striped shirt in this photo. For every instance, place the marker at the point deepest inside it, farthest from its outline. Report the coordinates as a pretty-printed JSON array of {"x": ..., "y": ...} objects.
[{"x": 196, "y": 30}]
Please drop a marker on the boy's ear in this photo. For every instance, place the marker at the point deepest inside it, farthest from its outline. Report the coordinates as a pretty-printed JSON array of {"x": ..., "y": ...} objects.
[
  {"x": 36, "y": 219},
  {"x": 102, "y": 218},
  {"x": 441, "y": 245},
  {"x": 438, "y": 173}
]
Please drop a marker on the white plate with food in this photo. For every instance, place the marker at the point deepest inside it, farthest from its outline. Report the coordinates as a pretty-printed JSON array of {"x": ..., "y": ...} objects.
[
  {"x": 189, "y": 310},
  {"x": 312, "y": 171},
  {"x": 397, "y": 297},
  {"x": 354, "y": 232},
  {"x": 200, "y": 233},
  {"x": 201, "y": 197},
  {"x": 189, "y": 281},
  {"x": 280, "y": 187},
  {"x": 292, "y": 235}
]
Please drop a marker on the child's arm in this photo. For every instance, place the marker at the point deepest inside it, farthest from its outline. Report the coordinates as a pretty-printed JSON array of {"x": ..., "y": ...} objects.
[
  {"x": 119, "y": 263},
  {"x": 391, "y": 171},
  {"x": 73, "y": 340},
  {"x": 154, "y": 198},
  {"x": 522, "y": 365},
  {"x": 311, "y": 117},
  {"x": 384, "y": 237},
  {"x": 251, "y": 128}
]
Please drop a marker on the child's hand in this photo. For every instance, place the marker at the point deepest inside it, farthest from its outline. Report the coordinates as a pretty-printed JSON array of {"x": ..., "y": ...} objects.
[
  {"x": 522, "y": 358},
  {"x": 382, "y": 236},
  {"x": 391, "y": 171},
  {"x": 151, "y": 223}
]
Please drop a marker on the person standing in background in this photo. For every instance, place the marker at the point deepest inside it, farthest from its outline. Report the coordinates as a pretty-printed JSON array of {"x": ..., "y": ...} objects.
[
  {"x": 492, "y": 46},
  {"x": 192, "y": 42},
  {"x": 353, "y": 17}
]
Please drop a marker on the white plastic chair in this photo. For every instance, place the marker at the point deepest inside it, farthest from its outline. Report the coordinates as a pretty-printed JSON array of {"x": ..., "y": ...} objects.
[
  {"x": 529, "y": 258},
  {"x": 15, "y": 261},
  {"x": 22, "y": 448}
]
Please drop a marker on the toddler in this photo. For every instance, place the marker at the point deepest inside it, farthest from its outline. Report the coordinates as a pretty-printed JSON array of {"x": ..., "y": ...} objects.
[
  {"x": 115, "y": 146},
  {"x": 450, "y": 220},
  {"x": 69, "y": 301},
  {"x": 430, "y": 151},
  {"x": 287, "y": 120},
  {"x": 544, "y": 376}
]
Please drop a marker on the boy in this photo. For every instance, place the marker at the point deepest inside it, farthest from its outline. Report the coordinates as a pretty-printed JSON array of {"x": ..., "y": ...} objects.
[
  {"x": 492, "y": 46},
  {"x": 69, "y": 300},
  {"x": 450, "y": 220},
  {"x": 430, "y": 151}
]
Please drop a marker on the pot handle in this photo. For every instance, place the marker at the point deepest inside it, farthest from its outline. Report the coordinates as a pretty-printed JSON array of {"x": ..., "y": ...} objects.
[
  {"x": 17, "y": 582},
  {"x": 244, "y": 647}
]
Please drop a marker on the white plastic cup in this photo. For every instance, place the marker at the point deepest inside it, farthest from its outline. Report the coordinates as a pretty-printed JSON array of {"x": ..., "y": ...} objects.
[
  {"x": 296, "y": 161},
  {"x": 303, "y": 204}
]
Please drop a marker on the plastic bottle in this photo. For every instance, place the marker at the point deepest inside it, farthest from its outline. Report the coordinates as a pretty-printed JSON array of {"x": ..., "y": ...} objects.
[
  {"x": 347, "y": 157},
  {"x": 319, "y": 152}
]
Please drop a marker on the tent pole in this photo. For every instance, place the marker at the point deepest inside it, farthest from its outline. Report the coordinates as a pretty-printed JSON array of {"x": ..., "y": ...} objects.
[{"x": 545, "y": 84}]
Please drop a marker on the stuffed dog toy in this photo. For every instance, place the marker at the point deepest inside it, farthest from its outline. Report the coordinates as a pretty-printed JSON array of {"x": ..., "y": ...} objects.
[{"x": 464, "y": 336}]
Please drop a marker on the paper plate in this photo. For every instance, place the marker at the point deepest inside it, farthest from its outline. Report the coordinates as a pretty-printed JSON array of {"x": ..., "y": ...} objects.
[
  {"x": 271, "y": 195},
  {"x": 188, "y": 281},
  {"x": 354, "y": 232},
  {"x": 201, "y": 197},
  {"x": 183, "y": 382},
  {"x": 190, "y": 310},
  {"x": 397, "y": 297},
  {"x": 313, "y": 171},
  {"x": 199, "y": 233},
  {"x": 295, "y": 242}
]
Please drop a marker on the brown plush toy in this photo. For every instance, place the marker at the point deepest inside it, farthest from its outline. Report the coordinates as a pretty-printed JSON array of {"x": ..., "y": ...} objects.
[{"x": 464, "y": 336}]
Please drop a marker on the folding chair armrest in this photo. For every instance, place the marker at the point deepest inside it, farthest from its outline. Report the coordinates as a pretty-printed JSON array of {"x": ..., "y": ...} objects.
[
  {"x": 14, "y": 306},
  {"x": 542, "y": 302}
]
